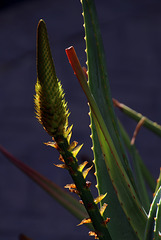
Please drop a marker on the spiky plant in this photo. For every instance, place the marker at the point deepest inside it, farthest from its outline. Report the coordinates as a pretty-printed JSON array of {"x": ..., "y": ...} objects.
[{"x": 132, "y": 213}]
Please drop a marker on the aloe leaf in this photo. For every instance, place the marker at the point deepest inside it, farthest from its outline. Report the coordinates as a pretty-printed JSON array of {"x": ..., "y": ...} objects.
[
  {"x": 152, "y": 126},
  {"x": 158, "y": 182},
  {"x": 59, "y": 194},
  {"x": 141, "y": 187},
  {"x": 157, "y": 227},
  {"x": 98, "y": 82},
  {"x": 128, "y": 201},
  {"x": 149, "y": 230},
  {"x": 98, "y": 79},
  {"x": 143, "y": 194},
  {"x": 149, "y": 179},
  {"x": 122, "y": 184},
  {"x": 118, "y": 229}
]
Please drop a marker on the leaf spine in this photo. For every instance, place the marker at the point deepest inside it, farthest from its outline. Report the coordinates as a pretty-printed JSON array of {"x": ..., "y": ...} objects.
[
  {"x": 82, "y": 165},
  {"x": 106, "y": 221},
  {"x": 72, "y": 185},
  {"x": 92, "y": 233},
  {"x": 85, "y": 172},
  {"x": 100, "y": 198},
  {"x": 64, "y": 166},
  {"x": 88, "y": 184},
  {"x": 72, "y": 145},
  {"x": 103, "y": 208},
  {"x": 85, "y": 220},
  {"x": 76, "y": 150}
]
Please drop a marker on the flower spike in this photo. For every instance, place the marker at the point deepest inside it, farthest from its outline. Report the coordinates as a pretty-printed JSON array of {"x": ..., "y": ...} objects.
[
  {"x": 51, "y": 108},
  {"x": 52, "y": 113}
]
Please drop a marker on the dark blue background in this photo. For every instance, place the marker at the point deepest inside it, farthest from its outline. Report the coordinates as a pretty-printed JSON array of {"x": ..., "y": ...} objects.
[{"x": 132, "y": 37}]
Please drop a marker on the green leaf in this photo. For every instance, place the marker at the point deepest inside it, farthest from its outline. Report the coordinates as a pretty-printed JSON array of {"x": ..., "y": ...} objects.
[
  {"x": 59, "y": 194},
  {"x": 152, "y": 126},
  {"x": 98, "y": 79},
  {"x": 125, "y": 191},
  {"x": 119, "y": 228},
  {"x": 139, "y": 170},
  {"x": 157, "y": 227},
  {"x": 149, "y": 230},
  {"x": 99, "y": 85},
  {"x": 158, "y": 182},
  {"x": 126, "y": 195},
  {"x": 143, "y": 194},
  {"x": 149, "y": 179}
]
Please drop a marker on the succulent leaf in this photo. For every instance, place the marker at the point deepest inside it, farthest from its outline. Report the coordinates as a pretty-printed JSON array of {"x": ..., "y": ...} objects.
[
  {"x": 149, "y": 230},
  {"x": 157, "y": 226},
  {"x": 126, "y": 194},
  {"x": 158, "y": 182},
  {"x": 149, "y": 179},
  {"x": 118, "y": 175},
  {"x": 56, "y": 192},
  {"x": 152, "y": 126},
  {"x": 99, "y": 85}
]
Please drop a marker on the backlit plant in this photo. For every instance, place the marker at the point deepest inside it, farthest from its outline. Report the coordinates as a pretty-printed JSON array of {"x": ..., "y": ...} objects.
[{"x": 131, "y": 212}]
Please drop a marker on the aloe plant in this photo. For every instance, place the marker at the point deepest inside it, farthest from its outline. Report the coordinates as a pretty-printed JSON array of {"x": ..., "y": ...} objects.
[{"x": 132, "y": 213}]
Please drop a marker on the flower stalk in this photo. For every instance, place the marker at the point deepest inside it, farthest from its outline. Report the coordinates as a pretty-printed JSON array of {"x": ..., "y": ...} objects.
[{"x": 52, "y": 113}]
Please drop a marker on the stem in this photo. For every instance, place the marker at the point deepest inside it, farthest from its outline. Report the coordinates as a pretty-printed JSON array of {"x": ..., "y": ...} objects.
[{"x": 82, "y": 188}]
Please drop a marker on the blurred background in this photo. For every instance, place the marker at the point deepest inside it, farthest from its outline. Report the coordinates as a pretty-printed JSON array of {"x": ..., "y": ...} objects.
[{"x": 131, "y": 33}]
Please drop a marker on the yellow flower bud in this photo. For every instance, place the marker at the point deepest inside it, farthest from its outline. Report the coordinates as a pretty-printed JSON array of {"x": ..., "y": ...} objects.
[{"x": 50, "y": 105}]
